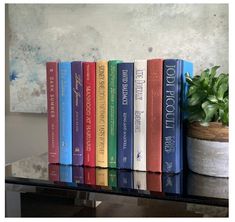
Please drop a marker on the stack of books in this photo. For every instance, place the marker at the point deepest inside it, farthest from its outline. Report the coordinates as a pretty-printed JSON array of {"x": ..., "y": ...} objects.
[{"x": 125, "y": 115}]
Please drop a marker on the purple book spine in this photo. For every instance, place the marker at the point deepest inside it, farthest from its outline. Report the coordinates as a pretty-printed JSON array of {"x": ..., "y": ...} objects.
[{"x": 77, "y": 107}]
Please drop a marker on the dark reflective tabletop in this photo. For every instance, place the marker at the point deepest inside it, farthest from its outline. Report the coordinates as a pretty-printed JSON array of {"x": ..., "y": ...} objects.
[{"x": 186, "y": 186}]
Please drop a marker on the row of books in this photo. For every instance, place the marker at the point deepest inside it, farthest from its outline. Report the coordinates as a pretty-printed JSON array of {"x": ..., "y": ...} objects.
[
  {"x": 114, "y": 178},
  {"x": 117, "y": 114}
]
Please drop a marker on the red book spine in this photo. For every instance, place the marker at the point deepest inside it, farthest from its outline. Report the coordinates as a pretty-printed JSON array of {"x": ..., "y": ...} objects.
[
  {"x": 154, "y": 115},
  {"x": 54, "y": 172},
  {"x": 53, "y": 111},
  {"x": 89, "y": 113},
  {"x": 154, "y": 182},
  {"x": 90, "y": 175}
]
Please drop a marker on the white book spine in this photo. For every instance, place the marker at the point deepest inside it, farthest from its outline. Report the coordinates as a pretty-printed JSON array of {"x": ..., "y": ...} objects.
[
  {"x": 140, "y": 105},
  {"x": 140, "y": 180}
]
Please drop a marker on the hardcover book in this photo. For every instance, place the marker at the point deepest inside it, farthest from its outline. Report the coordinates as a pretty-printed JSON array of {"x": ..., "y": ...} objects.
[
  {"x": 101, "y": 177},
  {"x": 173, "y": 183},
  {"x": 102, "y": 114},
  {"x": 112, "y": 113},
  {"x": 78, "y": 174},
  {"x": 65, "y": 112},
  {"x": 154, "y": 115},
  {"x": 53, "y": 111},
  {"x": 66, "y": 173},
  {"x": 140, "y": 182},
  {"x": 77, "y": 107},
  {"x": 172, "y": 149},
  {"x": 90, "y": 175},
  {"x": 154, "y": 181},
  {"x": 89, "y": 113},
  {"x": 54, "y": 172},
  {"x": 112, "y": 173},
  {"x": 140, "y": 105},
  {"x": 125, "y": 115},
  {"x": 125, "y": 179}
]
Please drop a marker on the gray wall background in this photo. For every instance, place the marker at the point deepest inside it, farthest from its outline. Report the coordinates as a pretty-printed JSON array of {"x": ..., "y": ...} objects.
[{"x": 196, "y": 32}]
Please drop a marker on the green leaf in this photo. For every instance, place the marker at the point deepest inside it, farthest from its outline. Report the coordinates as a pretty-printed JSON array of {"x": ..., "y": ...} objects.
[
  {"x": 192, "y": 90},
  {"x": 210, "y": 109},
  {"x": 213, "y": 71},
  {"x": 222, "y": 89},
  {"x": 212, "y": 98},
  {"x": 195, "y": 99}
]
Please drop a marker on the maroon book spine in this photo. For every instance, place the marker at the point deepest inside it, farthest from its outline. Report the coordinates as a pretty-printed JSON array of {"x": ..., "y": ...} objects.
[
  {"x": 53, "y": 111},
  {"x": 54, "y": 172},
  {"x": 89, "y": 113},
  {"x": 154, "y": 115}
]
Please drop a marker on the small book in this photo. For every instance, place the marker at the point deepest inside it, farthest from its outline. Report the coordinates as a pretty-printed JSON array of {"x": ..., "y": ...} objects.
[
  {"x": 66, "y": 173},
  {"x": 78, "y": 174},
  {"x": 101, "y": 177},
  {"x": 140, "y": 182},
  {"x": 90, "y": 175},
  {"x": 125, "y": 179}
]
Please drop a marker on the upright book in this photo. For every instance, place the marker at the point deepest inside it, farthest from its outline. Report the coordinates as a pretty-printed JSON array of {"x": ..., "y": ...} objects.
[
  {"x": 66, "y": 173},
  {"x": 102, "y": 114},
  {"x": 154, "y": 115},
  {"x": 172, "y": 149},
  {"x": 89, "y": 113},
  {"x": 154, "y": 181},
  {"x": 140, "y": 180},
  {"x": 125, "y": 115},
  {"x": 112, "y": 113},
  {"x": 53, "y": 111},
  {"x": 78, "y": 174},
  {"x": 90, "y": 175},
  {"x": 77, "y": 112},
  {"x": 101, "y": 177},
  {"x": 140, "y": 105},
  {"x": 65, "y": 112},
  {"x": 125, "y": 179}
]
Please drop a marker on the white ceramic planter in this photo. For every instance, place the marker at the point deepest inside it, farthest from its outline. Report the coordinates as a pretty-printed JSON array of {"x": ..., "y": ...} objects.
[{"x": 208, "y": 157}]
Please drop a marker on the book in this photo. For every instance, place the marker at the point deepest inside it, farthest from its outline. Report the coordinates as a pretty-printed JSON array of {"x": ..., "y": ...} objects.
[
  {"x": 125, "y": 179},
  {"x": 125, "y": 115},
  {"x": 101, "y": 177},
  {"x": 90, "y": 175},
  {"x": 65, "y": 112},
  {"x": 112, "y": 180},
  {"x": 154, "y": 181},
  {"x": 53, "y": 111},
  {"x": 78, "y": 174},
  {"x": 172, "y": 149},
  {"x": 77, "y": 112},
  {"x": 140, "y": 180},
  {"x": 102, "y": 114},
  {"x": 89, "y": 113},
  {"x": 54, "y": 172},
  {"x": 154, "y": 115},
  {"x": 66, "y": 173},
  {"x": 112, "y": 113},
  {"x": 140, "y": 106},
  {"x": 173, "y": 183}
]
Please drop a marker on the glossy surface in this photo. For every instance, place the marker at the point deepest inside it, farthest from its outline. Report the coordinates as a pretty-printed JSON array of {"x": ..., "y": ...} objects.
[{"x": 185, "y": 187}]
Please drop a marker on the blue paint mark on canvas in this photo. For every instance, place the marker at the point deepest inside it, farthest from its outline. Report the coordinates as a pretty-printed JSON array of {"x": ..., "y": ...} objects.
[{"x": 13, "y": 75}]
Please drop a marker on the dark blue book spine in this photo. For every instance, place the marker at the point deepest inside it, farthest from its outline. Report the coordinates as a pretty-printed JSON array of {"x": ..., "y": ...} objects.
[
  {"x": 77, "y": 107},
  {"x": 125, "y": 115},
  {"x": 173, "y": 183},
  {"x": 172, "y": 159},
  {"x": 78, "y": 174},
  {"x": 125, "y": 179},
  {"x": 65, "y": 112}
]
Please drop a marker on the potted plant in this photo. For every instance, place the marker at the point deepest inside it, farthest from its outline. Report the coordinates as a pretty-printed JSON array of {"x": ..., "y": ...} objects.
[{"x": 208, "y": 120}]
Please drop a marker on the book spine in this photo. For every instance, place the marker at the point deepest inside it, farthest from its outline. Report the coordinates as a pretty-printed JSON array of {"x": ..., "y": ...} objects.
[
  {"x": 172, "y": 161},
  {"x": 101, "y": 177},
  {"x": 112, "y": 113},
  {"x": 173, "y": 183},
  {"x": 65, "y": 112},
  {"x": 66, "y": 173},
  {"x": 140, "y": 180},
  {"x": 77, "y": 107},
  {"x": 125, "y": 115},
  {"x": 54, "y": 172},
  {"x": 140, "y": 105},
  {"x": 112, "y": 173},
  {"x": 89, "y": 113},
  {"x": 102, "y": 114},
  {"x": 78, "y": 174},
  {"x": 53, "y": 111},
  {"x": 125, "y": 179},
  {"x": 90, "y": 175},
  {"x": 154, "y": 181},
  {"x": 154, "y": 115}
]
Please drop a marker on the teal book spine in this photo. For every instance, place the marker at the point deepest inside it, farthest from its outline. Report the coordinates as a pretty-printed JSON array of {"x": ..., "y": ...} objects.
[
  {"x": 65, "y": 112},
  {"x": 112, "y": 113}
]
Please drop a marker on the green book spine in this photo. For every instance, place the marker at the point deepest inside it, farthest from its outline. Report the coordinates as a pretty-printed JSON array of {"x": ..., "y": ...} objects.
[
  {"x": 112, "y": 178},
  {"x": 112, "y": 113}
]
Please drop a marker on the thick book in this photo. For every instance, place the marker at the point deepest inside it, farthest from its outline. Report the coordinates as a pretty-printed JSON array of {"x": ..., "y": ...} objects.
[
  {"x": 140, "y": 110},
  {"x": 154, "y": 181},
  {"x": 77, "y": 111},
  {"x": 112, "y": 113},
  {"x": 125, "y": 115},
  {"x": 90, "y": 175},
  {"x": 112, "y": 180},
  {"x": 173, "y": 183},
  {"x": 89, "y": 113},
  {"x": 172, "y": 148},
  {"x": 102, "y": 114},
  {"x": 53, "y": 111},
  {"x": 54, "y": 172},
  {"x": 140, "y": 180},
  {"x": 125, "y": 179},
  {"x": 78, "y": 174},
  {"x": 154, "y": 115},
  {"x": 66, "y": 173},
  {"x": 101, "y": 177},
  {"x": 65, "y": 112}
]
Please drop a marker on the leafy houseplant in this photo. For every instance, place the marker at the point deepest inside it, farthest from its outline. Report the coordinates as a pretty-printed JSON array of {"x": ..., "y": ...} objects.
[{"x": 208, "y": 115}]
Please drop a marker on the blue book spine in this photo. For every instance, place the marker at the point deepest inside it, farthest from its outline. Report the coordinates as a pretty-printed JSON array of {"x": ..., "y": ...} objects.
[
  {"x": 173, "y": 183},
  {"x": 125, "y": 115},
  {"x": 66, "y": 173},
  {"x": 171, "y": 155},
  {"x": 77, "y": 112},
  {"x": 65, "y": 112},
  {"x": 125, "y": 179}
]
